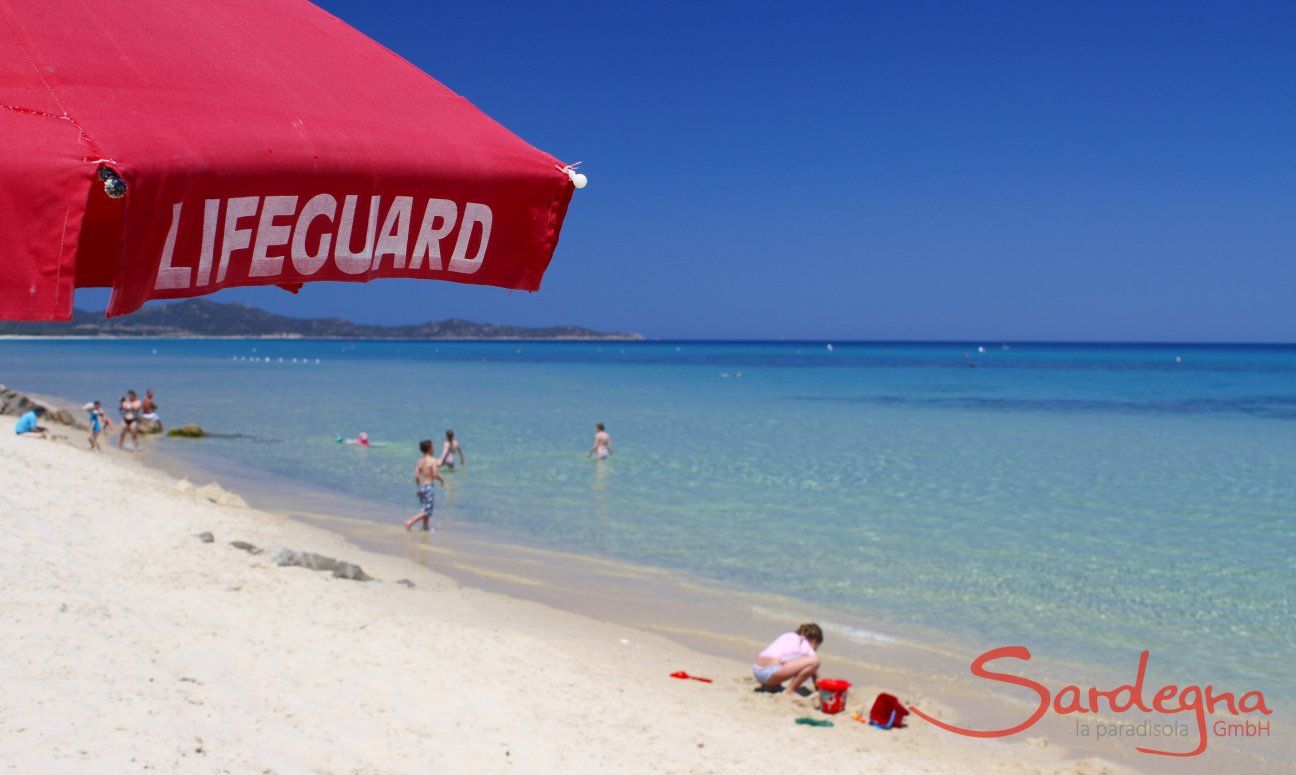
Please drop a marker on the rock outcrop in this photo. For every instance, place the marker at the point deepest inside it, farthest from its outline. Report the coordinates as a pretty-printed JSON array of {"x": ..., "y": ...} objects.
[
  {"x": 186, "y": 431},
  {"x": 14, "y": 403}
]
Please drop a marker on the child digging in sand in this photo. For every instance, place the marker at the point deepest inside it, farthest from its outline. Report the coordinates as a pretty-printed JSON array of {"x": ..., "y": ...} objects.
[
  {"x": 791, "y": 656},
  {"x": 425, "y": 473}
]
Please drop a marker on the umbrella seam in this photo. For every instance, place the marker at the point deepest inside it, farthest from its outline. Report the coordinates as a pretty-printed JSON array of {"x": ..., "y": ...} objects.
[
  {"x": 27, "y": 55},
  {"x": 551, "y": 242},
  {"x": 84, "y": 136},
  {"x": 58, "y": 274}
]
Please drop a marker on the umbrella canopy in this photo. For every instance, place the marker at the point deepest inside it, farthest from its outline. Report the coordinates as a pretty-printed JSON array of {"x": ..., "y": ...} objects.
[{"x": 169, "y": 149}]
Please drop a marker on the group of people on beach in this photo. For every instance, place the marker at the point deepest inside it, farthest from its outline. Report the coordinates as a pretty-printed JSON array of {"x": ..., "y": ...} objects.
[{"x": 132, "y": 409}]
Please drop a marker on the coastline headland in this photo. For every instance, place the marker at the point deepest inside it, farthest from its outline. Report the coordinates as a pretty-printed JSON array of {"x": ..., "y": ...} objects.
[{"x": 203, "y": 319}]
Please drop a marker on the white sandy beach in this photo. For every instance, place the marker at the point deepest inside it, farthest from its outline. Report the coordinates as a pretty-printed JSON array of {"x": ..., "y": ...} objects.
[{"x": 130, "y": 644}]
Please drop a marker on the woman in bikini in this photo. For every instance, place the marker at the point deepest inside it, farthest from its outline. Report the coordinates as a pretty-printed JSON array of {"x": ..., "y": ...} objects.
[
  {"x": 602, "y": 443},
  {"x": 130, "y": 409}
]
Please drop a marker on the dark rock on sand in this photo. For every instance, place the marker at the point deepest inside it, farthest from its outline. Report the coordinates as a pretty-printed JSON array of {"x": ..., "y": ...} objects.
[
  {"x": 339, "y": 569},
  {"x": 14, "y": 403},
  {"x": 406, "y": 582},
  {"x": 206, "y": 537},
  {"x": 247, "y": 547},
  {"x": 186, "y": 431}
]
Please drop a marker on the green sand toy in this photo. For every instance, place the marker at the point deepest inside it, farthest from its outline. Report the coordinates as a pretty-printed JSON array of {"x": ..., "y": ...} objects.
[{"x": 814, "y": 722}]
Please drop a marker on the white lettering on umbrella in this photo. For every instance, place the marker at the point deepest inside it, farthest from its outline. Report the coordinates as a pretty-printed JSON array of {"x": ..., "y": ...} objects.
[
  {"x": 235, "y": 238},
  {"x": 260, "y": 225},
  {"x": 270, "y": 235},
  {"x": 394, "y": 241},
  {"x": 211, "y": 220},
  {"x": 172, "y": 276},
  {"x": 473, "y": 214},
  {"x": 319, "y": 206},
  {"x": 346, "y": 260},
  {"x": 428, "y": 244}
]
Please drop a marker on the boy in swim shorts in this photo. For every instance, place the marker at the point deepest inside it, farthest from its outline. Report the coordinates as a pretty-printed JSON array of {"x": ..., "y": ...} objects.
[{"x": 425, "y": 473}]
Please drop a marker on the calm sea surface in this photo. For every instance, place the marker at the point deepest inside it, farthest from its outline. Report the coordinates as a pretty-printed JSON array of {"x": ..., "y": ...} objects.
[{"x": 1088, "y": 501}]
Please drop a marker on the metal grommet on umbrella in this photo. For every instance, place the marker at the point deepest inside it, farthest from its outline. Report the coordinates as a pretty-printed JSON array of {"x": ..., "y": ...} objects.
[{"x": 114, "y": 186}]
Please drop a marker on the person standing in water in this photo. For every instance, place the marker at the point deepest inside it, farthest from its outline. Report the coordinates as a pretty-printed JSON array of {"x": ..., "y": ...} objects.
[
  {"x": 130, "y": 409},
  {"x": 148, "y": 409},
  {"x": 425, "y": 473},
  {"x": 449, "y": 451},
  {"x": 602, "y": 444}
]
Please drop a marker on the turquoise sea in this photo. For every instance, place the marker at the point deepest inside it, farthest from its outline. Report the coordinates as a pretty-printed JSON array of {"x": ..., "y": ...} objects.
[{"x": 1090, "y": 501}]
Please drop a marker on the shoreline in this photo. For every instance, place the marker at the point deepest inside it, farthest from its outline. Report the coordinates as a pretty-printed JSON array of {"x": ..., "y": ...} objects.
[
  {"x": 728, "y": 621},
  {"x": 140, "y": 531},
  {"x": 555, "y": 580}
]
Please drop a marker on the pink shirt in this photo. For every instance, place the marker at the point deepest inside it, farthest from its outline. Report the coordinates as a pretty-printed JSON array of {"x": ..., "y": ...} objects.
[{"x": 787, "y": 646}]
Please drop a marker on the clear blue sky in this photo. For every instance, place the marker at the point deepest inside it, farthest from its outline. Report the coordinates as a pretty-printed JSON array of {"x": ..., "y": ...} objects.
[{"x": 879, "y": 171}]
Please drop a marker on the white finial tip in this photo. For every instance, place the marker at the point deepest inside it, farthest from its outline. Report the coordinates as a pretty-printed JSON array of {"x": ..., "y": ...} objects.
[{"x": 578, "y": 179}]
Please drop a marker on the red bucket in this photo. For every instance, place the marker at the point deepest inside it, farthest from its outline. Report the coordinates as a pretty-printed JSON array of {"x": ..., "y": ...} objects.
[{"x": 832, "y": 695}]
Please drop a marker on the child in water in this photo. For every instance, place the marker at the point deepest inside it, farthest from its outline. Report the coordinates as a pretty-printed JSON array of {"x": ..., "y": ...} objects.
[
  {"x": 449, "y": 450},
  {"x": 425, "y": 473}
]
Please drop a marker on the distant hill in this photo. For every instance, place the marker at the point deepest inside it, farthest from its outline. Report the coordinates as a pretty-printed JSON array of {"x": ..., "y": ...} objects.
[{"x": 198, "y": 317}]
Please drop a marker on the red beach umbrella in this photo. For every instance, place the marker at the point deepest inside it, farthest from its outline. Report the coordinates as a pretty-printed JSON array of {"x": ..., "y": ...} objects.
[{"x": 169, "y": 149}]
